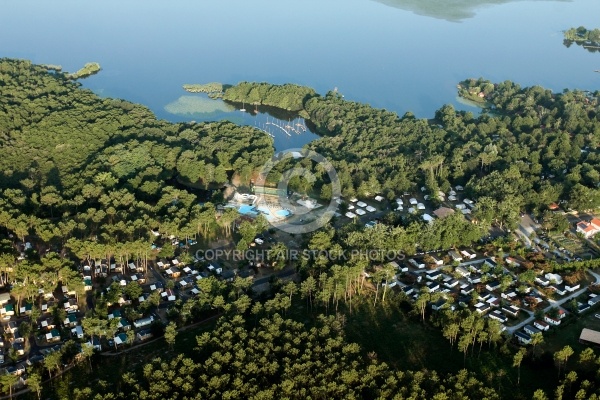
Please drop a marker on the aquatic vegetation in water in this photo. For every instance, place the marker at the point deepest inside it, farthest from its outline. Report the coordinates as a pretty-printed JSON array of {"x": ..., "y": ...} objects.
[{"x": 191, "y": 105}]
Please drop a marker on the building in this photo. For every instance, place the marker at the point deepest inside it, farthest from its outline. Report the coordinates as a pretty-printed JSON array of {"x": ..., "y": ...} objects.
[
  {"x": 53, "y": 336},
  {"x": 594, "y": 300},
  {"x": 589, "y": 336},
  {"x": 498, "y": 316},
  {"x": 583, "y": 307},
  {"x": 144, "y": 334},
  {"x": 114, "y": 314},
  {"x": 26, "y": 309},
  {"x": 4, "y": 298},
  {"x": 120, "y": 339},
  {"x": 531, "y": 330},
  {"x": 511, "y": 310},
  {"x": 589, "y": 229},
  {"x": 70, "y": 321},
  {"x": 542, "y": 280},
  {"x": 455, "y": 255},
  {"x": 552, "y": 321},
  {"x": 541, "y": 325},
  {"x": 523, "y": 337},
  {"x": 77, "y": 332},
  {"x": 95, "y": 343},
  {"x": 432, "y": 286},
  {"x": 143, "y": 322},
  {"x": 124, "y": 324},
  {"x": 468, "y": 254},
  {"x": 8, "y": 309},
  {"x": 573, "y": 287},
  {"x": 482, "y": 308},
  {"x": 11, "y": 327},
  {"x": 438, "y": 305},
  {"x": 443, "y": 212}
]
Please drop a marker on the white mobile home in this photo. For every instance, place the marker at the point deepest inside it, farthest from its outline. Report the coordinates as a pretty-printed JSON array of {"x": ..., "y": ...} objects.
[{"x": 143, "y": 322}]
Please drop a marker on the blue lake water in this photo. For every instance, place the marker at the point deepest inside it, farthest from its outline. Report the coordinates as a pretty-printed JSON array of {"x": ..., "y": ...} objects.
[{"x": 402, "y": 55}]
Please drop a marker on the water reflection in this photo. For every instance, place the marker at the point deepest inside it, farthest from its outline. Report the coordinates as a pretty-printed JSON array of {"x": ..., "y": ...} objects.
[{"x": 449, "y": 10}]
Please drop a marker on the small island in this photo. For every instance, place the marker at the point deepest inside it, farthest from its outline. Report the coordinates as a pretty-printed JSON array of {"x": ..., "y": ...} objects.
[
  {"x": 589, "y": 39},
  {"x": 213, "y": 89},
  {"x": 88, "y": 69}
]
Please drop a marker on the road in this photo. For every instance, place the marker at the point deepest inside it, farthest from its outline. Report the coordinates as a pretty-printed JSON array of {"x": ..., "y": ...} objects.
[{"x": 553, "y": 304}]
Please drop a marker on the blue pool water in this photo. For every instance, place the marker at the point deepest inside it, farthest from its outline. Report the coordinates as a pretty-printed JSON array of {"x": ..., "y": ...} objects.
[
  {"x": 247, "y": 210},
  {"x": 283, "y": 213}
]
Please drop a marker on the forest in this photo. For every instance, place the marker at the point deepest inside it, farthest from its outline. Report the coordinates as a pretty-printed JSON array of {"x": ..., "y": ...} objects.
[
  {"x": 88, "y": 178},
  {"x": 528, "y": 148},
  {"x": 213, "y": 89},
  {"x": 87, "y": 70},
  {"x": 288, "y": 97}
]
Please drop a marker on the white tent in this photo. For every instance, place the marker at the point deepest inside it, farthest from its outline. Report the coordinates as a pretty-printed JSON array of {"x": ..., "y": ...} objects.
[
  {"x": 360, "y": 211},
  {"x": 350, "y": 215},
  {"x": 371, "y": 209}
]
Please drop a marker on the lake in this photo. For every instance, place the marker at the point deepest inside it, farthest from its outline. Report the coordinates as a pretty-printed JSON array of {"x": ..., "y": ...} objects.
[{"x": 402, "y": 55}]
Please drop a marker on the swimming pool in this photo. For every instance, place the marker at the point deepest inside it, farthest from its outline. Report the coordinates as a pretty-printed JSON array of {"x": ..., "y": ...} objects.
[
  {"x": 270, "y": 214},
  {"x": 247, "y": 210},
  {"x": 283, "y": 213}
]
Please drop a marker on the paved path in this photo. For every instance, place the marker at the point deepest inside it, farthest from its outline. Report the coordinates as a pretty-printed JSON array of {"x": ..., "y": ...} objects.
[{"x": 553, "y": 303}]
